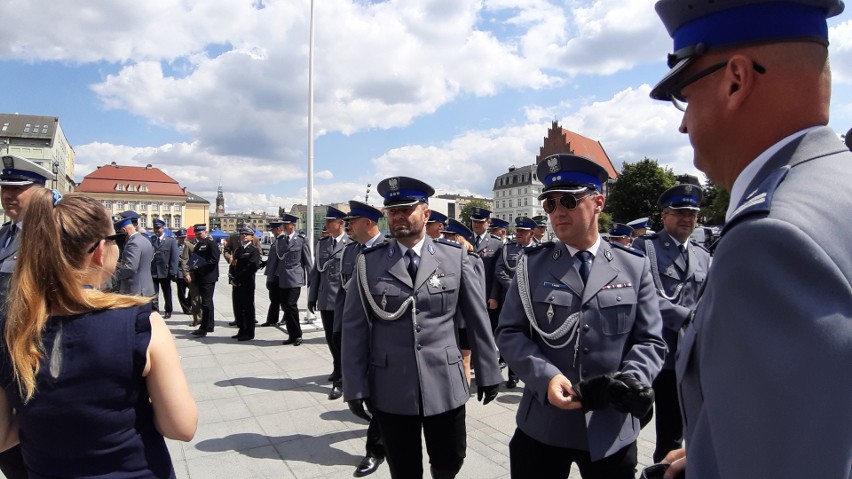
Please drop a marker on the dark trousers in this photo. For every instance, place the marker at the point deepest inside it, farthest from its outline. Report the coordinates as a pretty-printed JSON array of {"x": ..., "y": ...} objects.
[
  {"x": 166, "y": 285},
  {"x": 205, "y": 292},
  {"x": 531, "y": 458},
  {"x": 337, "y": 340},
  {"x": 667, "y": 409},
  {"x": 243, "y": 297},
  {"x": 183, "y": 295},
  {"x": 12, "y": 463},
  {"x": 375, "y": 445},
  {"x": 328, "y": 327},
  {"x": 446, "y": 442},
  {"x": 274, "y": 304},
  {"x": 288, "y": 298}
]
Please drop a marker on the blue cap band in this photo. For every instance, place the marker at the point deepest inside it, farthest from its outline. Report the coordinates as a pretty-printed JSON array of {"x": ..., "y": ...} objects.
[
  {"x": 573, "y": 177},
  {"x": 681, "y": 199},
  {"x": 25, "y": 174},
  {"x": 412, "y": 194},
  {"x": 754, "y": 23},
  {"x": 122, "y": 223}
]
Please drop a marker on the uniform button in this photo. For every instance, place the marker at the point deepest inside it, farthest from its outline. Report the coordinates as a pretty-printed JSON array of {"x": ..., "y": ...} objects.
[
  {"x": 550, "y": 298},
  {"x": 618, "y": 298},
  {"x": 585, "y": 350},
  {"x": 419, "y": 346},
  {"x": 585, "y": 327},
  {"x": 418, "y": 328}
]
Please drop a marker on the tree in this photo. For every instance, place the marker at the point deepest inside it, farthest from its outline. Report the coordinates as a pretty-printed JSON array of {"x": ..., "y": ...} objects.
[
  {"x": 464, "y": 216},
  {"x": 635, "y": 193},
  {"x": 715, "y": 204},
  {"x": 604, "y": 222}
]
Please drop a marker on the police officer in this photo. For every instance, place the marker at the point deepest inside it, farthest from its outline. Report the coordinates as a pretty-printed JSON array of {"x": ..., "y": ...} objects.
[
  {"x": 679, "y": 267},
  {"x": 182, "y": 286},
  {"x": 776, "y": 308},
  {"x": 507, "y": 261},
  {"x": 581, "y": 327},
  {"x": 364, "y": 232},
  {"x": 244, "y": 264},
  {"x": 18, "y": 180},
  {"x": 436, "y": 224},
  {"x": 540, "y": 228},
  {"x": 400, "y": 354},
  {"x": 640, "y": 226},
  {"x": 499, "y": 228},
  {"x": 486, "y": 246},
  {"x": 287, "y": 270},
  {"x": 325, "y": 286},
  {"x": 204, "y": 272},
  {"x": 133, "y": 272},
  {"x": 621, "y": 233},
  {"x": 164, "y": 266}
]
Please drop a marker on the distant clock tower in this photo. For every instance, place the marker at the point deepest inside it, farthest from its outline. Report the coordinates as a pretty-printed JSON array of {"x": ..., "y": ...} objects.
[{"x": 220, "y": 201}]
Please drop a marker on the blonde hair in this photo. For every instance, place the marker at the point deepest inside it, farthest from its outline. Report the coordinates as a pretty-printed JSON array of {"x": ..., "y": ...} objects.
[{"x": 48, "y": 276}]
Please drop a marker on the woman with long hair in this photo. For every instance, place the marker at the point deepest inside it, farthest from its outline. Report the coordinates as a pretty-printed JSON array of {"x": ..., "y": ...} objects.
[{"x": 94, "y": 378}]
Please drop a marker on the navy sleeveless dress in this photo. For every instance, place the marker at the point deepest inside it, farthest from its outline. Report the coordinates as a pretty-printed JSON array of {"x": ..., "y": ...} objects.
[{"x": 91, "y": 415}]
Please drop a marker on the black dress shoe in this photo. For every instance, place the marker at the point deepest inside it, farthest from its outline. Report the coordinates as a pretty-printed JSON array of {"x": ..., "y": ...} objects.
[
  {"x": 185, "y": 311},
  {"x": 266, "y": 325},
  {"x": 502, "y": 364},
  {"x": 294, "y": 342},
  {"x": 368, "y": 466},
  {"x": 245, "y": 338},
  {"x": 199, "y": 332},
  {"x": 236, "y": 336},
  {"x": 232, "y": 323},
  {"x": 297, "y": 342},
  {"x": 512, "y": 383},
  {"x": 336, "y": 392},
  {"x": 167, "y": 315}
]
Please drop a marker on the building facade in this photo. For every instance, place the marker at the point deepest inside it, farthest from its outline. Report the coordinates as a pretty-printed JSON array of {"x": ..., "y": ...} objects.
[
  {"x": 147, "y": 191},
  {"x": 41, "y": 140}
]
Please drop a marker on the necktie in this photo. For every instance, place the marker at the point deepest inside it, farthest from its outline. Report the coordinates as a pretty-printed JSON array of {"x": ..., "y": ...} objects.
[
  {"x": 412, "y": 262},
  {"x": 476, "y": 242},
  {"x": 585, "y": 258},
  {"x": 334, "y": 243},
  {"x": 684, "y": 254},
  {"x": 12, "y": 231}
]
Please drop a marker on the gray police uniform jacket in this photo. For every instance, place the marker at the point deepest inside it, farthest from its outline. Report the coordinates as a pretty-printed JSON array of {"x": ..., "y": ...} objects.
[
  {"x": 397, "y": 363},
  {"x": 289, "y": 263},
  {"x": 325, "y": 274},
  {"x": 674, "y": 272},
  {"x": 487, "y": 252},
  {"x": 166, "y": 257},
  {"x": 8, "y": 259},
  {"x": 505, "y": 263},
  {"x": 348, "y": 260},
  {"x": 763, "y": 367},
  {"x": 133, "y": 272},
  {"x": 619, "y": 329}
]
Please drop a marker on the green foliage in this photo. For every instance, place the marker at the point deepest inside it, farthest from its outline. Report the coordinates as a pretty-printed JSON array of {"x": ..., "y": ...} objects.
[
  {"x": 604, "y": 222},
  {"x": 715, "y": 204},
  {"x": 464, "y": 216},
  {"x": 635, "y": 193}
]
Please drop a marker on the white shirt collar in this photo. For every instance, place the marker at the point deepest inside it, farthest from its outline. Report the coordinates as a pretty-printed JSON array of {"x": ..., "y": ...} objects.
[
  {"x": 750, "y": 171},
  {"x": 417, "y": 247},
  {"x": 339, "y": 238},
  {"x": 373, "y": 240},
  {"x": 593, "y": 249}
]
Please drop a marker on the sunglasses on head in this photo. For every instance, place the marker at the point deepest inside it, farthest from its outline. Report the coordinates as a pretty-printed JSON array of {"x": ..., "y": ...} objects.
[{"x": 569, "y": 202}]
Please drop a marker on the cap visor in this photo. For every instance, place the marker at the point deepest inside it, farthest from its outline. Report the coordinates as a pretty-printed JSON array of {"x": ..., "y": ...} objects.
[
  {"x": 564, "y": 189},
  {"x": 662, "y": 91}
]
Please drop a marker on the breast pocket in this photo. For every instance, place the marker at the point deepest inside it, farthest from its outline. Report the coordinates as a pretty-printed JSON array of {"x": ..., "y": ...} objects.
[
  {"x": 559, "y": 301},
  {"x": 617, "y": 308},
  {"x": 386, "y": 295},
  {"x": 442, "y": 290}
]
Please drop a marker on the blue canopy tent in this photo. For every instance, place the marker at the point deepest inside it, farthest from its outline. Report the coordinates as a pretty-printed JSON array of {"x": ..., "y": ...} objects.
[{"x": 218, "y": 234}]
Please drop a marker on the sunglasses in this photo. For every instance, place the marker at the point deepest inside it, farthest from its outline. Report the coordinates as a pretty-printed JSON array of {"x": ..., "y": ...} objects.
[
  {"x": 112, "y": 238},
  {"x": 569, "y": 202}
]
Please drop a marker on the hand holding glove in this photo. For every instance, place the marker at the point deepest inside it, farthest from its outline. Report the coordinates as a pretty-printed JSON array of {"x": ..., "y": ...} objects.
[
  {"x": 629, "y": 394},
  {"x": 312, "y": 306},
  {"x": 593, "y": 393}
]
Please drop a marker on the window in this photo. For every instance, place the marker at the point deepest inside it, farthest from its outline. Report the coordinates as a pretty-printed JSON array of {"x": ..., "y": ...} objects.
[
  {"x": 143, "y": 188},
  {"x": 131, "y": 188},
  {"x": 119, "y": 187},
  {"x": 510, "y": 203},
  {"x": 5, "y": 126},
  {"x": 27, "y": 128}
]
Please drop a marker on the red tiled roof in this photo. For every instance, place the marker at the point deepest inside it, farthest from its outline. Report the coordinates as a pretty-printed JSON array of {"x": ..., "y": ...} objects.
[
  {"x": 560, "y": 140},
  {"x": 105, "y": 178}
]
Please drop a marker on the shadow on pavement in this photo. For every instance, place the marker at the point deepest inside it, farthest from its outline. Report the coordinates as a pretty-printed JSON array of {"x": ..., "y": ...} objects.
[{"x": 309, "y": 449}]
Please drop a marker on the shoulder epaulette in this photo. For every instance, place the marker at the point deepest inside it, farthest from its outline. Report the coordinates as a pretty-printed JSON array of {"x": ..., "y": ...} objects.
[
  {"x": 698, "y": 245},
  {"x": 628, "y": 249},
  {"x": 758, "y": 201},
  {"x": 375, "y": 247},
  {"x": 496, "y": 237},
  {"x": 447, "y": 242},
  {"x": 650, "y": 236},
  {"x": 536, "y": 247},
  {"x": 473, "y": 253},
  {"x": 7, "y": 223},
  {"x": 325, "y": 238},
  {"x": 301, "y": 235}
]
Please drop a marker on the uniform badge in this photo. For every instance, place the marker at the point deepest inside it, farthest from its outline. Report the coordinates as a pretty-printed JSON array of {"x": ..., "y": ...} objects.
[
  {"x": 384, "y": 302},
  {"x": 553, "y": 164},
  {"x": 549, "y": 313},
  {"x": 608, "y": 255},
  {"x": 557, "y": 253},
  {"x": 8, "y": 162},
  {"x": 434, "y": 281},
  {"x": 393, "y": 184}
]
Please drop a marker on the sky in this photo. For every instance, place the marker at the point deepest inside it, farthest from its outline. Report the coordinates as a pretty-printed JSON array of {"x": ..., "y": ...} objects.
[{"x": 452, "y": 92}]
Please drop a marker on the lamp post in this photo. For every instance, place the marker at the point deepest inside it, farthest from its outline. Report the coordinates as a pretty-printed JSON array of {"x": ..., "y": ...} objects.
[{"x": 367, "y": 196}]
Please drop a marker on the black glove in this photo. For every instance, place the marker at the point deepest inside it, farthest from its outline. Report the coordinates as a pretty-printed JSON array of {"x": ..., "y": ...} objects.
[
  {"x": 357, "y": 406},
  {"x": 172, "y": 277},
  {"x": 594, "y": 392},
  {"x": 486, "y": 392},
  {"x": 262, "y": 265},
  {"x": 629, "y": 394},
  {"x": 312, "y": 306}
]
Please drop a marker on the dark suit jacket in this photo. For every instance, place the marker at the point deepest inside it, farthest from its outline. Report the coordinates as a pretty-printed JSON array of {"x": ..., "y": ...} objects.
[
  {"x": 241, "y": 272},
  {"x": 763, "y": 368},
  {"x": 166, "y": 257},
  {"x": 208, "y": 270}
]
